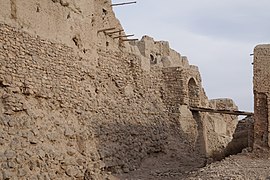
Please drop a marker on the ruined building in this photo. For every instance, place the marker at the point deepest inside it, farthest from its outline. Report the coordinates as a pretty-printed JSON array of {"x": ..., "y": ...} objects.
[
  {"x": 261, "y": 96},
  {"x": 78, "y": 101}
]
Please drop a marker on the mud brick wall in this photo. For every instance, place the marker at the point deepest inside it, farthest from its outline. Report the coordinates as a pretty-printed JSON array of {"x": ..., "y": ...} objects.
[
  {"x": 77, "y": 104},
  {"x": 261, "y": 95},
  {"x": 62, "y": 117}
]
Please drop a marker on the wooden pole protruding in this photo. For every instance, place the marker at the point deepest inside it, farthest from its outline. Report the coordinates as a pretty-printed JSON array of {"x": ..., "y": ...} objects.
[
  {"x": 106, "y": 29},
  {"x": 123, "y": 36},
  {"x": 130, "y": 39},
  {"x": 114, "y": 32},
  {"x": 126, "y": 3}
]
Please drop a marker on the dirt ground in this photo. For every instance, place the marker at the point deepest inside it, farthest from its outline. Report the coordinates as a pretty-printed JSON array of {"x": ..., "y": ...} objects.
[
  {"x": 237, "y": 167},
  {"x": 164, "y": 168},
  {"x": 244, "y": 166}
]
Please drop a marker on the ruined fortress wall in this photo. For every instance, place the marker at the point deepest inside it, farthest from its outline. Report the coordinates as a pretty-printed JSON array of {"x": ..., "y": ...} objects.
[
  {"x": 62, "y": 119},
  {"x": 77, "y": 108},
  {"x": 71, "y": 22},
  {"x": 54, "y": 20},
  {"x": 261, "y": 95}
]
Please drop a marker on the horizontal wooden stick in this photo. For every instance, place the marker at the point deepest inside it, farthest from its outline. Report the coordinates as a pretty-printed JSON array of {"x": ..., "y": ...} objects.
[
  {"x": 231, "y": 112},
  {"x": 130, "y": 39},
  {"x": 107, "y": 29},
  {"x": 120, "y": 4},
  {"x": 123, "y": 36},
  {"x": 113, "y": 32}
]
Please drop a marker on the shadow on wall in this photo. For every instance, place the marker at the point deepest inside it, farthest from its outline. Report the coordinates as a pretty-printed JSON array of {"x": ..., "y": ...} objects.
[
  {"x": 261, "y": 116},
  {"x": 200, "y": 144},
  {"x": 242, "y": 139},
  {"x": 124, "y": 146}
]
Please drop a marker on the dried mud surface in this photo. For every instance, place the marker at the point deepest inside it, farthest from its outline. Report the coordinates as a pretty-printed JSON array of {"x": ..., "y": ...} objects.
[{"x": 244, "y": 166}]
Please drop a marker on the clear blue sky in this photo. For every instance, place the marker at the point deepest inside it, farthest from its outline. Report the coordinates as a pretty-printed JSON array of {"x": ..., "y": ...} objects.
[{"x": 216, "y": 35}]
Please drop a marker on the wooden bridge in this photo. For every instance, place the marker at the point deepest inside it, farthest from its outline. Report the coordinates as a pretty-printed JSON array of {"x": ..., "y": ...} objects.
[{"x": 231, "y": 112}]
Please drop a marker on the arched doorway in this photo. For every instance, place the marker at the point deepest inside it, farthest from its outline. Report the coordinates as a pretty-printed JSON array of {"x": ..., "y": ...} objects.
[{"x": 193, "y": 93}]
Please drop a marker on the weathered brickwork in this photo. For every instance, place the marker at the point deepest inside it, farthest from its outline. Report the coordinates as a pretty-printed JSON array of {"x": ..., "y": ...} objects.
[
  {"x": 179, "y": 90},
  {"x": 261, "y": 95},
  {"x": 64, "y": 116},
  {"x": 83, "y": 105},
  {"x": 61, "y": 117}
]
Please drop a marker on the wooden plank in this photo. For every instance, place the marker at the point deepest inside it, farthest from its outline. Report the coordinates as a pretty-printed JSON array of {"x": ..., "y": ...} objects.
[
  {"x": 231, "y": 112},
  {"x": 126, "y": 3},
  {"x": 130, "y": 39}
]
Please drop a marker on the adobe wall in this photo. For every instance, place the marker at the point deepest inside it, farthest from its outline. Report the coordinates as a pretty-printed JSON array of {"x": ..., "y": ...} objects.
[
  {"x": 83, "y": 107},
  {"x": 62, "y": 119},
  {"x": 74, "y": 23},
  {"x": 261, "y": 95}
]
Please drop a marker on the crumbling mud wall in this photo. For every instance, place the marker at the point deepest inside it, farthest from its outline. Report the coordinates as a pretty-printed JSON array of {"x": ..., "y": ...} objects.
[
  {"x": 77, "y": 103},
  {"x": 62, "y": 119},
  {"x": 261, "y": 95},
  {"x": 75, "y": 23},
  {"x": 243, "y": 137},
  {"x": 218, "y": 129}
]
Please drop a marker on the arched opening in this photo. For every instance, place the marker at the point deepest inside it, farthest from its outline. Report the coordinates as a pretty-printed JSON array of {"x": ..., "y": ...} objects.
[{"x": 193, "y": 92}]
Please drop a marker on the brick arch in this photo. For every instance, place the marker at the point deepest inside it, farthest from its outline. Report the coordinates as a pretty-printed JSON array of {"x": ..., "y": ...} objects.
[{"x": 193, "y": 92}]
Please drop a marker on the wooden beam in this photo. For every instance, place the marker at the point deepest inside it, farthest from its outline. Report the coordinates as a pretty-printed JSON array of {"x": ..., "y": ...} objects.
[
  {"x": 106, "y": 29},
  {"x": 231, "y": 112},
  {"x": 113, "y": 32},
  {"x": 123, "y": 36},
  {"x": 130, "y": 39},
  {"x": 126, "y": 3}
]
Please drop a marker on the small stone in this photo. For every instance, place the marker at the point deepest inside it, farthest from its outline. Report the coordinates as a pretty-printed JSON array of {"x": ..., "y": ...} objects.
[
  {"x": 4, "y": 165},
  {"x": 41, "y": 153},
  {"x": 52, "y": 174},
  {"x": 125, "y": 170},
  {"x": 22, "y": 172},
  {"x": 29, "y": 153},
  {"x": 10, "y": 154},
  {"x": 46, "y": 176},
  {"x": 11, "y": 164},
  {"x": 20, "y": 159},
  {"x": 71, "y": 151},
  {"x": 2, "y": 157},
  {"x": 15, "y": 143},
  {"x": 5, "y": 119},
  {"x": 80, "y": 161},
  {"x": 69, "y": 133},
  {"x": 52, "y": 137},
  {"x": 2, "y": 142},
  {"x": 33, "y": 140},
  {"x": 7, "y": 174},
  {"x": 24, "y": 144},
  {"x": 72, "y": 171}
]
